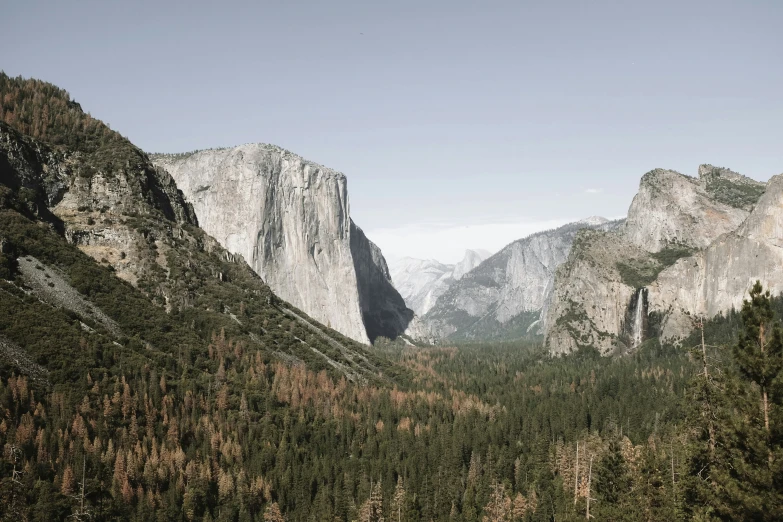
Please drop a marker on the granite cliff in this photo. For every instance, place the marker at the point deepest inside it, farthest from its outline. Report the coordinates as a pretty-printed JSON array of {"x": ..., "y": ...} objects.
[
  {"x": 384, "y": 311},
  {"x": 503, "y": 297},
  {"x": 289, "y": 219},
  {"x": 688, "y": 248},
  {"x": 98, "y": 202},
  {"x": 717, "y": 278}
]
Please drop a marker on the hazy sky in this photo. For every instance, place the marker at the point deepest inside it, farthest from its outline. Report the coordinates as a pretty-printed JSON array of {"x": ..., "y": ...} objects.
[{"x": 458, "y": 123}]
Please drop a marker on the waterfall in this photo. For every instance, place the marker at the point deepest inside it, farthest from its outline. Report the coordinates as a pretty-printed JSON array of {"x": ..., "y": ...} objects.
[{"x": 638, "y": 321}]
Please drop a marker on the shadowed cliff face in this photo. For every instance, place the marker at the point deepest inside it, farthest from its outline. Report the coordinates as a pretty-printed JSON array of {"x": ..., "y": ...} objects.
[{"x": 383, "y": 309}]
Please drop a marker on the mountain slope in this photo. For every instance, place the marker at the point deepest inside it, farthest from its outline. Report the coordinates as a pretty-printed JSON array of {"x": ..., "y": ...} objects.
[
  {"x": 420, "y": 281},
  {"x": 671, "y": 208},
  {"x": 504, "y": 295},
  {"x": 136, "y": 228},
  {"x": 716, "y": 279},
  {"x": 289, "y": 218}
]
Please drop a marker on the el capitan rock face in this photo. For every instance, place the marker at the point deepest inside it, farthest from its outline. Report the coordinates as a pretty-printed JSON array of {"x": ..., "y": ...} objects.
[
  {"x": 691, "y": 247},
  {"x": 290, "y": 219}
]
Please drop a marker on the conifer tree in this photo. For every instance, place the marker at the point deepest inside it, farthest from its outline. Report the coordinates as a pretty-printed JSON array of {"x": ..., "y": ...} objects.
[
  {"x": 498, "y": 508},
  {"x": 735, "y": 462},
  {"x": 372, "y": 509},
  {"x": 759, "y": 353},
  {"x": 272, "y": 513},
  {"x": 398, "y": 501},
  {"x": 611, "y": 475}
]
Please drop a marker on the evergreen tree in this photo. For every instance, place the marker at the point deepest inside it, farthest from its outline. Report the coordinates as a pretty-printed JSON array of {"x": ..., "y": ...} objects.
[
  {"x": 399, "y": 501},
  {"x": 612, "y": 482},
  {"x": 372, "y": 509},
  {"x": 735, "y": 457},
  {"x": 759, "y": 353},
  {"x": 272, "y": 513}
]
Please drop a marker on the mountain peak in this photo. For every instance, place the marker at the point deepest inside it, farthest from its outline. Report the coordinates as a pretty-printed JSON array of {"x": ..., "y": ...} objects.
[
  {"x": 593, "y": 220},
  {"x": 472, "y": 259}
]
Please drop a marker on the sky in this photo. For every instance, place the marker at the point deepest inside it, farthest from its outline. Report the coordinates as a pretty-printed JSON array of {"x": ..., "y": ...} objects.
[{"x": 459, "y": 124}]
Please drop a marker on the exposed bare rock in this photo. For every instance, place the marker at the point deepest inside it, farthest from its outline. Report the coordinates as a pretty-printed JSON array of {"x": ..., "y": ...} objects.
[
  {"x": 384, "y": 312},
  {"x": 690, "y": 247},
  {"x": 671, "y": 208},
  {"x": 718, "y": 278},
  {"x": 729, "y": 187},
  {"x": 289, "y": 218},
  {"x": 49, "y": 286},
  {"x": 420, "y": 281},
  {"x": 101, "y": 212},
  {"x": 471, "y": 260},
  {"x": 504, "y": 295},
  {"x": 590, "y": 302}
]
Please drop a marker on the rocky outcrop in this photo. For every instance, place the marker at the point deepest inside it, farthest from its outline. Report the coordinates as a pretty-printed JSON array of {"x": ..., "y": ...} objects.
[
  {"x": 471, "y": 260},
  {"x": 66, "y": 181},
  {"x": 421, "y": 281},
  {"x": 689, "y": 248},
  {"x": 289, "y": 218},
  {"x": 503, "y": 297},
  {"x": 673, "y": 209},
  {"x": 591, "y": 299},
  {"x": 729, "y": 187},
  {"x": 718, "y": 278},
  {"x": 103, "y": 211}
]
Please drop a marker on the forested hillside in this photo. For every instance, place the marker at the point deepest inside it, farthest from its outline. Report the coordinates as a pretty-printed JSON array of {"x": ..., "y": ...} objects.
[{"x": 166, "y": 382}]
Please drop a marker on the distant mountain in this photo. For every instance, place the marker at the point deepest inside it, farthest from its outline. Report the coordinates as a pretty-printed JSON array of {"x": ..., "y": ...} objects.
[
  {"x": 472, "y": 259},
  {"x": 502, "y": 298},
  {"x": 421, "y": 281}
]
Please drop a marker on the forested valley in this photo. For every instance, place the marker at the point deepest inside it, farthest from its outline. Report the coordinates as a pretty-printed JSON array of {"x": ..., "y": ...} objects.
[
  {"x": 196, "y": 394},
  {"x": 477, "y": 433}
]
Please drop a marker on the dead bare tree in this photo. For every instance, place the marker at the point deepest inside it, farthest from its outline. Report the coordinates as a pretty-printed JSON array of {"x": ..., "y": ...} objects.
[
  {"x": 588, "y": 516},
  {"x": 14, "y": 454},
  {"x": 82, "y": 512},
  {"x": 576, "y": 474}
]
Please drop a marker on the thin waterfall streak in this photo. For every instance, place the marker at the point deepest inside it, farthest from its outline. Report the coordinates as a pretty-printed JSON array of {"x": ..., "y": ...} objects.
[{"x": 638, "y": 322}]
